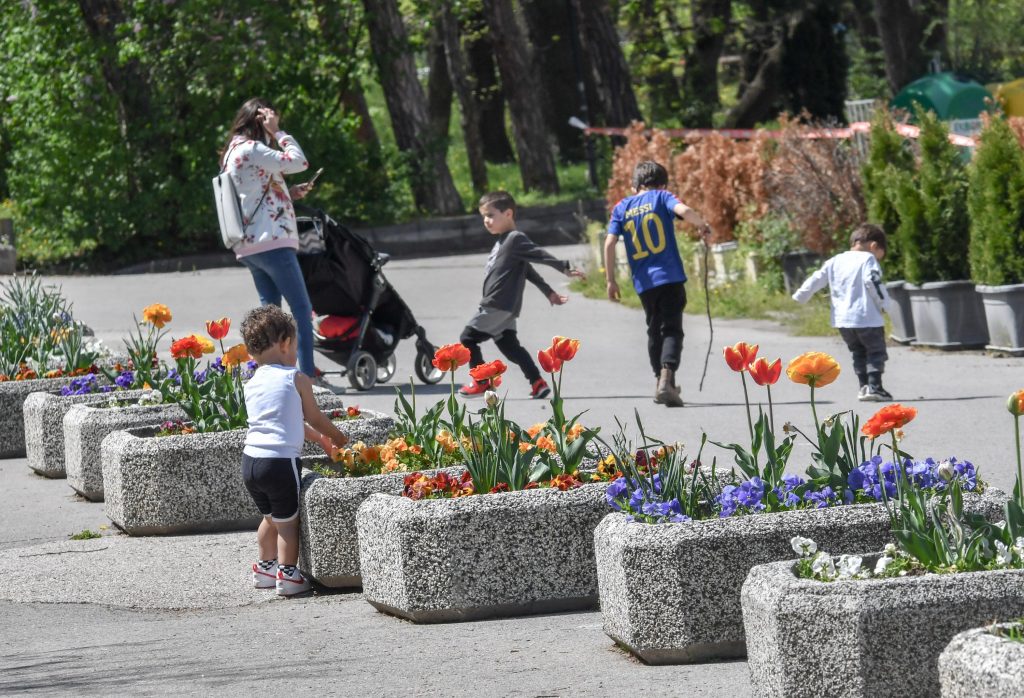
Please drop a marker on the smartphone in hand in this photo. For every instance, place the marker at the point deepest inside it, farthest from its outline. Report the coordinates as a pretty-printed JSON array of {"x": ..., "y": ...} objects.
[{"x": 313, "y": 179}]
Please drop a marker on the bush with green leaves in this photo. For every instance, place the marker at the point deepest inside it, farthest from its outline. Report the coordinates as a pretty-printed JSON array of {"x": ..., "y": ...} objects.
[
  {"x": 890, "y": 156},
  {"x": 996, "y": 206},
  {"x": 932, "y": 207}
]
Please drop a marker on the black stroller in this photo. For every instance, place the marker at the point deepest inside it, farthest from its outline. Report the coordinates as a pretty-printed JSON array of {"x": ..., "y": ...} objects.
[{"x": 360, "y": 317}]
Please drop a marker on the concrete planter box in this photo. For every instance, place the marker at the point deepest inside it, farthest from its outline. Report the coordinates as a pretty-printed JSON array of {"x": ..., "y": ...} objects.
[
  {"x": 483, "y": 556},
  {"x": 948, "y": 315},
  {"x": 642, "y": 567},
  {"x": 900, "y": 313},
  {"x": 980, "y": 664},
  {"x": 796, "y": 267},
  {"x": 329, "y": 549},
  {"x": 85, "y": 427},
  {"x": 12, "y": 420},
  {"x": 189, "y": 483},
  {"x": 869, "y": 637},
  {"x": 1004, "y": 317},
  {"x": 44, "y": 427}
]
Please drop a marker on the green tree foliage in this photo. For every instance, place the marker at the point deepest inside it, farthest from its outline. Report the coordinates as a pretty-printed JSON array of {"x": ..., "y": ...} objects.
[
  {"x": 996, "y": 206},
  {"x": 932, "y": 207},
  {"x": 889, "y": 158},
  {"x": 119, "y": 122}
]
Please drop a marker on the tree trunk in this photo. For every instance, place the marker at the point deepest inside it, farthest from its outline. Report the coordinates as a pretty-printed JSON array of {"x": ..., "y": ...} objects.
[
  {"x": 700, "y": 78},
  {"x": 910, "y": 33},
  {"x": 489, "y": 97},
  {"x": 616, "y": 101},
  {"x": 432, "y": 185},
  {"x": 536, "y": 163},
  {"x": 759, "y": 99},
  {"x": 462, "y": 81},
  {"x": 439, "y": 88},
  {"x": 549, "y": 28}
]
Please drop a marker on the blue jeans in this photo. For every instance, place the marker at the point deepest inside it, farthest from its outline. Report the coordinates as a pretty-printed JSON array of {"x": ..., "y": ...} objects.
[{"x": 277, "y": 273}]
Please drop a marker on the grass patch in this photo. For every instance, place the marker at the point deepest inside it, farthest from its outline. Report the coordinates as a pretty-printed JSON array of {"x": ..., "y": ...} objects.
[{"x": 85, "y": 534}]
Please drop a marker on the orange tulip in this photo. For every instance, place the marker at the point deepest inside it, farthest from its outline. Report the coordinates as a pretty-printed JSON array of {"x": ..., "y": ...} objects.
[
  {"x": 353, "y": 411},
  {"x": 218, "y": 329},
  {"x": 888, "y": 418},
  {"x": 205, "y": 343},
  {"x": 490, "y": 372},
  {"x": 548, "y": 362},
  {"x": 156, "y": 314},
  {"x": 814, "y": 368},
  {"x": 1015, "y": 403},
  {"x": 740, "y": 355},
  {"x": 765, "y": 373},
  {"x": 450, "y": 357},
  {"x": 185, "y": 347},
  {"x": 563, "y": 348},
  {"x": 235, "y": 355}
]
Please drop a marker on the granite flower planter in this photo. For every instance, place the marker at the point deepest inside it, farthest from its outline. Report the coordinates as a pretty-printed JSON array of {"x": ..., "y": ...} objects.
[
  {"x": 979, "y": 663},
  {"x": 1004, "y": 316},
  {"x": 868, "y": 637},
  {"x": 12, "y": 420},
  {"x": 948, "y": 315},
  {"x": 190, "y": 482},
  {"x": 482, "y": 556},
  {"x": 44, "y": 427},
  {"x": 85, "y": 427},
  {"x": 900, "y": 313},
  {"x": 329, "y": 548},
  {"x": 670, "y": 593}
]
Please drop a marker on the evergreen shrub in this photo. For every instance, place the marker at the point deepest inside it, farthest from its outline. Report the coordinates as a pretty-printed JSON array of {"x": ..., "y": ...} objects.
[{"x": 996, "y": 206}]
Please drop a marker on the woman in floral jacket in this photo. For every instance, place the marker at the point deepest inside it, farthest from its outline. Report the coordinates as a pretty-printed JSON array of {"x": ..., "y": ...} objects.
[{"x": 271, "y": 238}]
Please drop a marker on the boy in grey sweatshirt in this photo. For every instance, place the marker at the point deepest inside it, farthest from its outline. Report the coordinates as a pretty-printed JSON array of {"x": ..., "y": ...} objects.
[
  {"x": 854, "y": 279},
  {"x": 507, "y": 271}
]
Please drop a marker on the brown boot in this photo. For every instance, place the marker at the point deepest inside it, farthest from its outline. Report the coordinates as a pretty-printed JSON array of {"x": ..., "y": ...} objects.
[
  {"x": 668, "y": 391},
  {"x": 657, "y": 390}
]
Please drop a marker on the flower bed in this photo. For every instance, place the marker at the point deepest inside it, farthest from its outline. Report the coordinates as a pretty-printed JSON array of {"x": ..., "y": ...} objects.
[
  {"x": 86, "y": 425},
  {"x": 12, "y": 401},
  {"x": 190, "y": 482},
  {"x": 670, "y": 593},
  {"x": 984, "y": 663},
  {"x": 329, "y": 550},
  {"x": 44, "y": 432},
  {"x": 483, "y": 556},
  {"x": 864, "y": 637}
]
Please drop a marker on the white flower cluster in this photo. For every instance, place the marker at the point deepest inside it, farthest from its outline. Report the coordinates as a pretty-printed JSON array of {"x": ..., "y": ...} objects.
[
  {"x": 827, "y": 568},
  {"x": 151, "y": 397}
]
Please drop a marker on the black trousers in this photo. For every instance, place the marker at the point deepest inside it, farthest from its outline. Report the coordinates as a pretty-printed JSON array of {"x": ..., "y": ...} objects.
[
  {"x": 867, "y": 345},
  {"x": 663, "y": 309},
  {"x": 507, "y": 343}
]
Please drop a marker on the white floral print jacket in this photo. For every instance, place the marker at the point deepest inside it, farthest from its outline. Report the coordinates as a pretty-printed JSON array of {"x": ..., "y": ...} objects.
[{"x": 254, "y": 166}]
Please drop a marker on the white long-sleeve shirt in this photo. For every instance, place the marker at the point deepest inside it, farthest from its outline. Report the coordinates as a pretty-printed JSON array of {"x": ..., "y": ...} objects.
[
  {"x": 854, "y": 279},
  {"x": 254, "y": 167}
]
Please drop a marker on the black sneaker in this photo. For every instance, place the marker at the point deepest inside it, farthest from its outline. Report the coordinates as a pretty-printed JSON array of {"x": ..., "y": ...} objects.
[{"x": 871, "y": 393}]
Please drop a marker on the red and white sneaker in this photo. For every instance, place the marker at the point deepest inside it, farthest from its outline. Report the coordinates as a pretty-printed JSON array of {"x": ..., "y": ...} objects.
[
  {"x": 474, "y": 389},
  {"x": 539, "y": 389},
  {"x": 291, "y": 584},
  {"x": 264, "y": 579}
]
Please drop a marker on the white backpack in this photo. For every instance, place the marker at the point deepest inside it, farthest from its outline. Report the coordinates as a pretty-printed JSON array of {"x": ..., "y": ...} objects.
[{"x": 229, "y": 208}]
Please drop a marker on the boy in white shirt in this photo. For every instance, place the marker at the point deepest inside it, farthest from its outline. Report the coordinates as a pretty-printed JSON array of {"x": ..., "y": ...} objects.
[{"x": 858, "y": 300}]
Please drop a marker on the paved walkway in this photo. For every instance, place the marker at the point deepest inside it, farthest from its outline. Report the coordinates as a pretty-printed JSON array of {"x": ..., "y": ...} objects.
[{"x": 160, "y": 615}]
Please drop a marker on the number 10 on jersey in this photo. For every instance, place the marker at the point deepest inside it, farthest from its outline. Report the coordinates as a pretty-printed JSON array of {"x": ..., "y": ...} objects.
[{"x": 655, "y": 243}]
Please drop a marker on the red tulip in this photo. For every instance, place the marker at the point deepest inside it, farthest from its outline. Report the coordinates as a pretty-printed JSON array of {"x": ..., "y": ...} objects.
[
  {"x": 563, "y": 348},
  {"x": 548, "y": 362},
  {"x": 218, "y": 329},
  {"x": 740, "y": 356},
  {"x": 765, "y": 373},
  {"x": 187, "y": 346},
  {"x": 490, "y": 372},
  {"x": 450, "y": 357}
]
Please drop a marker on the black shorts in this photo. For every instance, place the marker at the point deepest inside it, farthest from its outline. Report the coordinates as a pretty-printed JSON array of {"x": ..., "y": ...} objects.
[{"x": 274, "y": 485}]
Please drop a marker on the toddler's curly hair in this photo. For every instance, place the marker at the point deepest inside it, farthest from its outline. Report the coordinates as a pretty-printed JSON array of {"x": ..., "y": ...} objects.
[{"x": 265, "y": 326}]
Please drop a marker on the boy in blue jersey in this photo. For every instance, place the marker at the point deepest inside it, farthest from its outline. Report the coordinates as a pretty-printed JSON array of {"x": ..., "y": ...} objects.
[{"x": 647, "y": 222}]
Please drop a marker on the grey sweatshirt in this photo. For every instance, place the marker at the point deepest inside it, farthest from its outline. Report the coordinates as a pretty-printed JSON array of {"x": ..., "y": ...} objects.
[
  {"x": 854, "y": 279},
  {"x": 508, "y": 269}
]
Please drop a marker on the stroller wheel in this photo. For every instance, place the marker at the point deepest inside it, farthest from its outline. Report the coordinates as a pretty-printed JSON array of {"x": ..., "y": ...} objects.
[
  {"x": 362, "y": 370},
  {"x": 386, "y": 370},
  {"x": 425, "y": 369}
]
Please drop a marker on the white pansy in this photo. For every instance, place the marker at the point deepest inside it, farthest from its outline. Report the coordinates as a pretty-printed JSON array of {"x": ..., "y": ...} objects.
[
  {"x": 804, "y": 547},
  {"x": 890, "y": 549},
  {"x": 1003, "y": 554},
  {"x": 849, "y": 566},
  {"x": 1019, "y": 546},
  {"x": 1001, "y": 525},
  {"x": 882, "y": 564},
  {"x": 823, "y": 566}
]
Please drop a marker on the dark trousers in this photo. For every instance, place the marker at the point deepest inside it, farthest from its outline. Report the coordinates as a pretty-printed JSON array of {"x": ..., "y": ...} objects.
[
  {"x": 507, "y": 343},
  {"x": 867, "y": 344},
  {"x": 663, "y": 309}
]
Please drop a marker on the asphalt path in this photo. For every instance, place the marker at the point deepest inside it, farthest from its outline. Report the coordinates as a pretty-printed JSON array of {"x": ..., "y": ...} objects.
[{"x": 173, "y": 615}]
